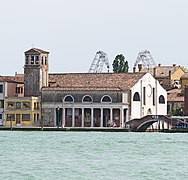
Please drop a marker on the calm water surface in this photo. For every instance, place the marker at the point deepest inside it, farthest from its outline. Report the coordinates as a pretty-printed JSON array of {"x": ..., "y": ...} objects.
[{"x": 93, "y": 155}]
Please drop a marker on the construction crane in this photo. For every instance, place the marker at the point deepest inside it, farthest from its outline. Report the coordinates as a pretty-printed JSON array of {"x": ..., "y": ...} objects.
[
  {"x": 98, "y": 62},
  {"x": 146, "y": 59}
]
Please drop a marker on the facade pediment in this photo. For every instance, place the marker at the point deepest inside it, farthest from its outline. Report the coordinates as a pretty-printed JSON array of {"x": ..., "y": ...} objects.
[{"x": 36, "y": 51}]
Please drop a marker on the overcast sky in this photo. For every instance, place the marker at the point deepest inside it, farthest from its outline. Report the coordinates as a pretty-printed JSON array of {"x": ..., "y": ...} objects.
[{"x": 74, "y": 30}]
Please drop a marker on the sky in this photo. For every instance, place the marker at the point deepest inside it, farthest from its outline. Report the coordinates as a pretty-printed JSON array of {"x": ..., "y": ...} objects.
[{"x": 74, "y": 30}]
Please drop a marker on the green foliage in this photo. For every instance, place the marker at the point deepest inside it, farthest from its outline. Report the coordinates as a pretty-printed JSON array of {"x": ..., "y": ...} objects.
[
  {"x": 120, "y": 65},
  {"x": 177, "y": 112}
]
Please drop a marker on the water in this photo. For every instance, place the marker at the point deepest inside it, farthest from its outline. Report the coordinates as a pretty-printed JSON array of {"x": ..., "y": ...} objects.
[{"x": 93, "y": 155}]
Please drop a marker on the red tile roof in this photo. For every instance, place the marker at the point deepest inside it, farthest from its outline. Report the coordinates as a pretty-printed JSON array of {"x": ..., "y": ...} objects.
[
  {"x": 185, "y": 76},
  {"x": 162, "y": 71},
  {"x": 18, "y": 78},
  {"x": 175, "y": 95},
  {"x": 94, "y": 81}
]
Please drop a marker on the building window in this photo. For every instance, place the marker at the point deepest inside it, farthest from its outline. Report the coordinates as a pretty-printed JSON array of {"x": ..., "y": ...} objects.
[
  {"x": 106, "y": 99},
  {"x": 27, "y": 59},
  {"x": 19, "y": 90},
  {"x": 10, "y": 117},
  {"x": 1, "y": 116},
  {"x": 136, "y": 96},
  {"x": 36, "y": 59},
  {"x": 36, "y": 105},
  {"x": 149, "y": 111},
  {"x": 68, "y": 99},
  {"x": 161, "y": 99},
  {"x": 25, "y": 117},
  {"x": 42, "y": 60},
  {"x": 45, "y": 60},
  {"x": 1, "y": 103},
  {"x": 26, "y": 105},
  {"x": 36, "y": 117},
  {"x": 18, "y": 105},
  {"x": 153, "y": 96},
  {"x": 32, "y": 59},
  {"x": 87, "y": 99},
  {"x": 144, "y": 95},
  {"x": 10, "y": 105},
  {"x": 1, "y": 88}
]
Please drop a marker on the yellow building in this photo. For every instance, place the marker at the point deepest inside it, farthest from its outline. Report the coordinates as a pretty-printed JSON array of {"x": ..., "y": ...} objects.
[
  {"x": 168, "y": 76},
  {"x": 184, "y": 80},
  {"x": 22, "y": 111}
]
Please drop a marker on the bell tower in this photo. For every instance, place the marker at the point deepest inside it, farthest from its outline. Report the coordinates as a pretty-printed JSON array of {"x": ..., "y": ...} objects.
[{"x": 35, "y": 71}]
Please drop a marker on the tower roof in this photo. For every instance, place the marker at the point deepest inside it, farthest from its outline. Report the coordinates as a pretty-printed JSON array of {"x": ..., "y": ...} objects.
[{"x": 37, "y": 50}]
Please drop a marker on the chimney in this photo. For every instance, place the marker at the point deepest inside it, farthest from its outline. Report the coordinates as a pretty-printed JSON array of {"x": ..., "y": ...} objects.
[
  {"x": 170, "y": 75},
  {"x": 154, "y": 71},
  {"x": 159, "y": 65},
  {"x": 139, "y": 67},
  {"x": 134, "y": 69},
  {"x": 15, "y": 73}
]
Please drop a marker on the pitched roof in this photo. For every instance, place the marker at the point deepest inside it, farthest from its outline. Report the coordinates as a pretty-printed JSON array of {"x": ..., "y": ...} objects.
[
  {"x": 161, "y": 71},
  {"x": 18, "y": 78},
  {"x": 36, "y": 50},
  {"x": 94, "y": 81},
  {"x": 185, "y": 76},
  {"x": 175, "y": 95}
]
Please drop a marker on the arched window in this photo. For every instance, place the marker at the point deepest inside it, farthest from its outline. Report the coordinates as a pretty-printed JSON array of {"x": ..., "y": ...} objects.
[
  {"x": 106, "y": 99},
  {"x": 149, "y": 111},
  {"x": 161, "y": 99},
  {"x": 136, "y": 96},
  {"x": 68, "y": 99},
  {"x": 87, "y": 99}
]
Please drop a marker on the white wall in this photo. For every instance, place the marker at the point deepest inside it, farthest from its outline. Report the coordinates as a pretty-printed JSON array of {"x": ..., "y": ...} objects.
[{"x": 138, "y": 109}]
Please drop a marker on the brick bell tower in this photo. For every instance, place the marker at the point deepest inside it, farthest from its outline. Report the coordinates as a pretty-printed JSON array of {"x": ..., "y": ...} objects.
[{"x": 35, "y": 71}]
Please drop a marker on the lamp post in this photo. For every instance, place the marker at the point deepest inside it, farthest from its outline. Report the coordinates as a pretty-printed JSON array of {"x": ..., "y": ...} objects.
[{"x": 58, "y": 117}]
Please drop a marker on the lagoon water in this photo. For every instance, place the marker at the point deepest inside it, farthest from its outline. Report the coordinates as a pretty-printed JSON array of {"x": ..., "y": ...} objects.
[{"x": 93, "y": 155}]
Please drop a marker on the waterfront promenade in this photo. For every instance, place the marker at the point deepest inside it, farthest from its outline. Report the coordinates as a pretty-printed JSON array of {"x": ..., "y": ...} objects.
[
  {"x": 96, "y": 129},
  {"x": 30, "y": 128}
]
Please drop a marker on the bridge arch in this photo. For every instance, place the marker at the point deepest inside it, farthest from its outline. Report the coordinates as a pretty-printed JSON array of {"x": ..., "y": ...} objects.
[{"x": 143, "y": 123}]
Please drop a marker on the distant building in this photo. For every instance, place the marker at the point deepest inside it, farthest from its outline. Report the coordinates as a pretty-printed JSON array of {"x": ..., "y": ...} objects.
[
  {"x": 35, "y": 71},
  {"x": 83, "y": 99},
  {"x": 175, "y": 98},
  {"x": 184, "y": 80},
  {"x": 168, "y": 76},
  {"x": 186, "y": 101},
  {"x": 101, "y": 99},
  {"x": 24, "y": 111},
  {"x": 10, "y": 86}
]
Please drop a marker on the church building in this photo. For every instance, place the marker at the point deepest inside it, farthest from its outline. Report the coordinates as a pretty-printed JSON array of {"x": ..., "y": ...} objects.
[{"x": 91, "y": 99}]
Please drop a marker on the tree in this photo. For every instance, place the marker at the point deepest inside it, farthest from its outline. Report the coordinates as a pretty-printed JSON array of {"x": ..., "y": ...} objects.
[
  {"x": 177, "y": 112},
  {"x": 120, "y": 65}
]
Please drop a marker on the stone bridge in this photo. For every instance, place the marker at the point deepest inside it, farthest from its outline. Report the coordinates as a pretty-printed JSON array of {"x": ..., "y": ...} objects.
[{"x": 142, "y": 124}]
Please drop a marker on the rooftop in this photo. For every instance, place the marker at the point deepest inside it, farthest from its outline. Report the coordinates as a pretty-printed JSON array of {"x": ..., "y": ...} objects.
[
  {"x": 175, "y": 95},
  {"x": 93, "y": 81},
  {"x": 36, "y": 50},
  {"x": 18, "y": 78},
  {"x": 162, "y": 71}
]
